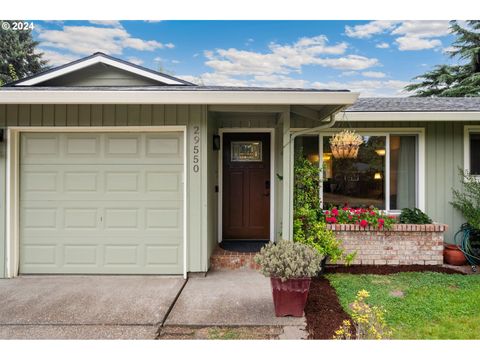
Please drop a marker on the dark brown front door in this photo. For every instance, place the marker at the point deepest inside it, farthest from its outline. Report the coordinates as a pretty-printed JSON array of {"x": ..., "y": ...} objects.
[{"x": 246, "y": 186}]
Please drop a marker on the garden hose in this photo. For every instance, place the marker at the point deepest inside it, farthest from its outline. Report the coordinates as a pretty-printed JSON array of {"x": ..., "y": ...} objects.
[{"x": 463, "y": 239}]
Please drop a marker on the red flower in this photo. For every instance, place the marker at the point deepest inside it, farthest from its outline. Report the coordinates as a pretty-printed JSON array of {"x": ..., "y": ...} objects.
[
  {"x": 350, "y": 217},
  {"x": 381, "y": 221},
  {"x": 363, "y": 223},
  {"x": 372, "y": 213},
  {"x": 345, "y": 208},
  {"x": 334, "y": 212},
  {"x": 331, "y": 220},
  {"x": 327, "y": 212}
]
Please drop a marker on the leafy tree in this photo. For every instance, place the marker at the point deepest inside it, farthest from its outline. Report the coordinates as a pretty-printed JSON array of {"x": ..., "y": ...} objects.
[
  {"x": 18, "y": 57},
  {"x": 455, "y": 80}
]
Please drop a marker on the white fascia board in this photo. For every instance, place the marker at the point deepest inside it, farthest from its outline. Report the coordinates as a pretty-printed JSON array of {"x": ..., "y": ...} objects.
[
  {"x": 410, "y": 116},
  {"x": 96, "y": 60},
  {"x": 27, "y": 96}
]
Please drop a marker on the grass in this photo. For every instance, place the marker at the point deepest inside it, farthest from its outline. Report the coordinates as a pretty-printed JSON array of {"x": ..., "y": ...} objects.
[{"x": 433, "y": 305}]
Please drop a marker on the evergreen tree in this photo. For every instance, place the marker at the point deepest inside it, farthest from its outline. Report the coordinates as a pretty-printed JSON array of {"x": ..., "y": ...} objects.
[
  {"x": 455, "y": 80},
  {"x": 18, "y": 57}
]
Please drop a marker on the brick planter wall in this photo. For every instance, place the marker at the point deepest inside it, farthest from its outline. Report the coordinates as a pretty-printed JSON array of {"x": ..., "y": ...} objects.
[{"x": 404, "y": 244}]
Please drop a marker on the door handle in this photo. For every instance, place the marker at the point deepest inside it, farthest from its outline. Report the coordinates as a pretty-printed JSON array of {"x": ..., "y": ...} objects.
[{"x": 267, "y": 185}]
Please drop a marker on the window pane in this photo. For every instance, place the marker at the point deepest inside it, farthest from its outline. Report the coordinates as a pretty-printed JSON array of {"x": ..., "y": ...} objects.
[
  {"x": 358, "y": 182},
  {"x": 308, "y": 146},
  {"x": 403, "y": 166},
  {"x": 475, "y": 154}
]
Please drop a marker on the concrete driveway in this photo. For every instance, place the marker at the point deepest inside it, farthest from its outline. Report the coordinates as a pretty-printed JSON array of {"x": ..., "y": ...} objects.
[{"x": 57, "y": 307}]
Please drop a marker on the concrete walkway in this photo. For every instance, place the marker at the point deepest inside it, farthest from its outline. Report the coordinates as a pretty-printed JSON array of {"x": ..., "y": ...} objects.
[
  {"x": 57, "y": 307},
  {"x": 228, "y": 298},
  {"x": 135, "y": 307}
]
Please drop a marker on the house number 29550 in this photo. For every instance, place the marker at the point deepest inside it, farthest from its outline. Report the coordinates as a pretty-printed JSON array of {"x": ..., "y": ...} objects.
[{"x": 196, "y": 149}]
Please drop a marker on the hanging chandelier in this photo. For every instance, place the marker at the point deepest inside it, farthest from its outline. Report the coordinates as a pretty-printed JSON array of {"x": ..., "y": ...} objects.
[{"x": 345, "y": 144}]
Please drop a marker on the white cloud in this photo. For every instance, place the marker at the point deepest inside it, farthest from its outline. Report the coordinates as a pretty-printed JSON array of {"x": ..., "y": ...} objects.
[
  {"x": 175, "y": 61},
  {"x": 369, "y": 29},
  {"x": 410, "y": 35},
  {"x": 382, "y": 45},
  {"x": 286, "y": 58},
  {"x": 85, "y": 40},
  {"x": 349, "y": 62},
  {"x": 423, "y": 28},
  {"x": 416, "y": 43},
  {"x": 279, "y": 81},
  {"x": 112, "y": 23},
  {"x": 135, "y": 60},
  {"x": 449, "y": 49},
  {"x": 374, "y": 74},
  {"x": 55, "y": 58},
  {"x": 367, "y": 88}
]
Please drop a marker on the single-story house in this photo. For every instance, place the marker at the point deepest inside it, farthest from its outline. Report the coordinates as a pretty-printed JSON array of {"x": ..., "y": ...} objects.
[{"x": 111, "y": 168}]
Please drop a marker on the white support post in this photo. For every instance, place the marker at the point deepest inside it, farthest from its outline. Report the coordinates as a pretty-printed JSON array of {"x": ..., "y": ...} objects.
[{"x": 287, "y": 176}]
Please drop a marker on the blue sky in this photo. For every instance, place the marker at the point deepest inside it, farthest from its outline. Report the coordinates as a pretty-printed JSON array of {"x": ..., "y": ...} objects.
[{"x": 377, "y": 58}]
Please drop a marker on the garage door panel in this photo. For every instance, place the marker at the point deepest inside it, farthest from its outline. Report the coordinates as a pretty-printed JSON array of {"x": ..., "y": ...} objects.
[
  {"x": 103, "y": 204},
  {"x": 115, "y": 148},
  {"x": 102, "y": 182}
]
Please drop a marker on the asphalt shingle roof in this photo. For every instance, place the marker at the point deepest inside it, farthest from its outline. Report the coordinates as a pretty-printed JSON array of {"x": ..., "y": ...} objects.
[{"x": 408, "y": 104}]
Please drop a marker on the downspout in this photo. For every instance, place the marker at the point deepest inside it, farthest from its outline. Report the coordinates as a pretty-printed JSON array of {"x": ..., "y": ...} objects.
[{"x": 291, "y": 143}]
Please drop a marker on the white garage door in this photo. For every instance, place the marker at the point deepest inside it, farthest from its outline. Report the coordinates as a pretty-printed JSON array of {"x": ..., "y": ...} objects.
[{"x": 101, "y": 203}]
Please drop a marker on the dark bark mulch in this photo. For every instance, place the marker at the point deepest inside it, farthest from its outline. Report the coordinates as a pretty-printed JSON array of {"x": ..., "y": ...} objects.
[
  {"x": 323, "y": 311},
  {"x": 386, "y": 270}
]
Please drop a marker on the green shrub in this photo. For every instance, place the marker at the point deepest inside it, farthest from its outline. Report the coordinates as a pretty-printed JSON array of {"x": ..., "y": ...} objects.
[
  {"x": 468, "y": 200},
  {"x": 414, "y": 216},
  {"x": 308, "y": 218},
  {"x": 288, "y": 260},
  {"x": 325, "y": 242}
]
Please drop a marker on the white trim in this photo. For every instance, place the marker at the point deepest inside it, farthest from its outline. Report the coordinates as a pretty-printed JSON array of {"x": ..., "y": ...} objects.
[
  {"x": 31, "y": 96},
  {"x": 98, "y": 59},
  {"x": 12, "y": 182},
  {"x": 467, "y": 130},
  {"x": 185, "y": 202},
  {"x": 421, "y": 165},
  {"x": 270, "y": 131},
  {"x": 410, "y": 116}
]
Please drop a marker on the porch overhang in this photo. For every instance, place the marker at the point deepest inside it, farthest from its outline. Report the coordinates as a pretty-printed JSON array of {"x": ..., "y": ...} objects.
[{"x": 39, "y": 95}]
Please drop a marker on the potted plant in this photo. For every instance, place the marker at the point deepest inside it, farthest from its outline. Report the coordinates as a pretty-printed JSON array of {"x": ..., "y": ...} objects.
[
  {"x": 290, "y": 267},
  {"x": 453, "y": 255},
  {"x": 468, "y": 203}
]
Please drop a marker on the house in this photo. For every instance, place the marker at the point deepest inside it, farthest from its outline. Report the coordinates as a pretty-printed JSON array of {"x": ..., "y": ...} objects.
[{"x": 111, "y": 168}]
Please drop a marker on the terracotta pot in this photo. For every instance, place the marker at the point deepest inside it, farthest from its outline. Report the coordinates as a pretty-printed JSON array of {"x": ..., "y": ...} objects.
[
  {"x": 453, "y": 255},
  {"x": 290, "y": 296}
]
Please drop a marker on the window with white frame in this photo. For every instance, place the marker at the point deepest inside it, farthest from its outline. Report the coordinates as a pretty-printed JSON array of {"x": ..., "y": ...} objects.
[
  {"x": 472, "y": 155},
  {"x": 384, "y": 174}
]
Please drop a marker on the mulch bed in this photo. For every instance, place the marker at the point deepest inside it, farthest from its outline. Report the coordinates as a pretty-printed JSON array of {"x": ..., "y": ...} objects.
[
  {"x": 387, "y": 270},
  {"x": 323, "y": 311}
]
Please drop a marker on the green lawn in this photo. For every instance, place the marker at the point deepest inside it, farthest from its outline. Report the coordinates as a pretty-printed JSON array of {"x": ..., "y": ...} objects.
[{"x": 433, "y": 306}]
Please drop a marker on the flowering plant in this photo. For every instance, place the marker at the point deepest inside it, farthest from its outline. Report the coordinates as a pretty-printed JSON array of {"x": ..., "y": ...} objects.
[
  {"x": 368, "y": 321},
  {"x": 359, "y": 216}
]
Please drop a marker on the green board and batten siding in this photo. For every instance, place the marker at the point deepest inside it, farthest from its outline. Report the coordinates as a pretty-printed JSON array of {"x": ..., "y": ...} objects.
[{"x": 128, "y": 115}]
